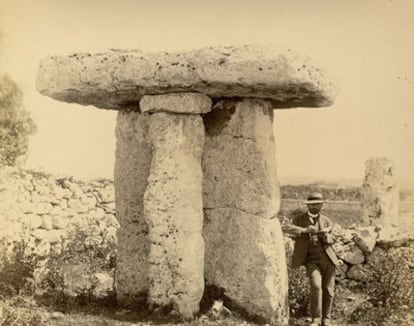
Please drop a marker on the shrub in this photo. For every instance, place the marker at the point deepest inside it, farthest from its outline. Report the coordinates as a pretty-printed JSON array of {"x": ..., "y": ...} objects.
[
  {"x": 298, "y": 290},
  {"x": 17, "y": 266},
  {"x": 87, "y": 246},
  {"x": 390, "y": 288},
  {"x": 10, "y": 315},
  {"x": 16, "y": 124}
]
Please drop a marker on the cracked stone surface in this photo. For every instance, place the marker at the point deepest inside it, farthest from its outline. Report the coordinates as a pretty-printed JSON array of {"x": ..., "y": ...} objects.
[
  {"x": 132, "y": 166},
  {"x": 244, "y": 247},
  {"x": 118, "y": 78},
  {"x": 173, "y": 209}
]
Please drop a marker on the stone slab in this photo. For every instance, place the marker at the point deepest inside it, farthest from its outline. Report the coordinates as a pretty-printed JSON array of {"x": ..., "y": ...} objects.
[{"x": 119, "y": 78}]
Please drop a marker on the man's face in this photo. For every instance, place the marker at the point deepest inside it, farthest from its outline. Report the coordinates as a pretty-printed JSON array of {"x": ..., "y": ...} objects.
[{"x": 315, "y": 208}]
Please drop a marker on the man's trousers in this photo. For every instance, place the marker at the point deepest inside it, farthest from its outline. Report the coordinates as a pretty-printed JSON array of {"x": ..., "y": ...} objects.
[{"x": 321, "y": 274}]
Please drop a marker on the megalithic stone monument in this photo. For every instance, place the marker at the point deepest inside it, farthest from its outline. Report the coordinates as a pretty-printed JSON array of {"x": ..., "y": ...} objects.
[
  {"x": 195, "y": 168},
  {"x": 380, "y": 192}
]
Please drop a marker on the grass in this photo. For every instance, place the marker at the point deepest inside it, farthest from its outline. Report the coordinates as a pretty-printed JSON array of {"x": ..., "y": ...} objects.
[{"x": 345, "y": 213}]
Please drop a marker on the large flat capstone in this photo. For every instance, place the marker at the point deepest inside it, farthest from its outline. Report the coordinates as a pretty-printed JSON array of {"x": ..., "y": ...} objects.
[{"x": 118, "y": 78}]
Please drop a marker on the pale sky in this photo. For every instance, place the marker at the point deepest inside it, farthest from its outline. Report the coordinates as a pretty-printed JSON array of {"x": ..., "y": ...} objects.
[{"x": 366, "y": 45}]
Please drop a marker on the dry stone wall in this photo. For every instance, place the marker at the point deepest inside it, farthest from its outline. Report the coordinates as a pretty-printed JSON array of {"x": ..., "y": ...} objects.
[
  {"x": 43, "y": 211},
  {"x": 358, "y": 247}
]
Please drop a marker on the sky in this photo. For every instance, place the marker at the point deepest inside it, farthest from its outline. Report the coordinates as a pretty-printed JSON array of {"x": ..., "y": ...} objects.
[{"x": 367, "y": 47}]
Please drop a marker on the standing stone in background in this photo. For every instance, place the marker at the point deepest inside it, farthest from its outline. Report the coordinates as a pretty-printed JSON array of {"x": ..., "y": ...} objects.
[
  {"x": 380, "y": 192},
  {"x": 132, "y": 164},
  {"x": 244, "y": 247}
]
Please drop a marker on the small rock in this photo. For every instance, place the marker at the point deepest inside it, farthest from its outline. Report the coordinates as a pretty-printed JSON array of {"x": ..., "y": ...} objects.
[
  {"x": 56, "y": 315},
  {"x": 46, "y": 222},
  {"x": 351, "y": 254},
  {"x": 366, "y": 238}
]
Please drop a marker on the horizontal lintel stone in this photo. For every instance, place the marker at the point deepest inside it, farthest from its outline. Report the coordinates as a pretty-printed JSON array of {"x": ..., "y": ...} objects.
[
  {"x": 118, "y": 79},
  {"x": 190, "y": 103}
]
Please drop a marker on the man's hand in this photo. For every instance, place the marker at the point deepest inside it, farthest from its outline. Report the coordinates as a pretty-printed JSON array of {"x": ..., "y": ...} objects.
[
  {"x": 312, "y": 229},
  {"x": 326, "y": 230}
]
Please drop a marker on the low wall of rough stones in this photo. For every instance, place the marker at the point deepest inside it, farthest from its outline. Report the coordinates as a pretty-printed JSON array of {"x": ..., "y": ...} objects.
[
  {"x": 357, "y": 247},
  {"x": 43, "y": 210},
  {"x": 46, "y": 208}
]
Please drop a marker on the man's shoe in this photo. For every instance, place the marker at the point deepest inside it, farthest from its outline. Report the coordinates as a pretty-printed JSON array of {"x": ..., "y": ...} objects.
[{"x": 315, "y": 322}]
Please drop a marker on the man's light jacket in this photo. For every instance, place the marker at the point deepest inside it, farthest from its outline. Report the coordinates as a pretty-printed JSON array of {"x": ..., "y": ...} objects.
[{"x": 300, "y": 250}]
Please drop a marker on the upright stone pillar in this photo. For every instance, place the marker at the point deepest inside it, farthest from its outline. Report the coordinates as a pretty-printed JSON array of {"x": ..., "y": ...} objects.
[
  {"x": 244, "y": 246},
  {"x": 132, "y": 166},
  {"x": 380, "y": 192},
  {"x": 173, "y": 204},
  {"x": 160, "y": 208}
]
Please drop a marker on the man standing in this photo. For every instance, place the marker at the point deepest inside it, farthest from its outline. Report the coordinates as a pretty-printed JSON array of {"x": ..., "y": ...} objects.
[{"x": 313, "y": 240}]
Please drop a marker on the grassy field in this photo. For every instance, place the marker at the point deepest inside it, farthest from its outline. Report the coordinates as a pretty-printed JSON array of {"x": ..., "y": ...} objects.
[{"x": 345, "y": 213}]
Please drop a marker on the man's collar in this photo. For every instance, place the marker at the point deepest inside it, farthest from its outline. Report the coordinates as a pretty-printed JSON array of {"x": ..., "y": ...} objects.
[{"x": 313, "y": 215}]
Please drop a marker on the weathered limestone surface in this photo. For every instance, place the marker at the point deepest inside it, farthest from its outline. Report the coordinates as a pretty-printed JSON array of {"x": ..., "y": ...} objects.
[
  {"x": 187, "y": 103},
  {"x": 174, "y": 211},
  {"x": 115, "y": 79},
  {"x": 380, "y": 192},
  {"x": 158, "y": 176},
  {"x": 132, "y": 165},
  {"x": 244, "y": 247}
]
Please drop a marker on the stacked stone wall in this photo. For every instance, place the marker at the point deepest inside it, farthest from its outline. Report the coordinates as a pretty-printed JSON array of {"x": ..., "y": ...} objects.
[{"x": 44, "y": 211}]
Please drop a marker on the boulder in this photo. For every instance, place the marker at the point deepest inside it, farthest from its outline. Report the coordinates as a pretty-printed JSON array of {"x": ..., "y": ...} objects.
[
  {"x": 358, "y": 273},
  {"x": 32, "y": 221},
  {"x": 106, "y": 194},
  {"x": 366, "y": 238},
  {"x": 77, "y": 205},
  {"x": 46, "y": 222},
  {"x": 350, "y": 253}
]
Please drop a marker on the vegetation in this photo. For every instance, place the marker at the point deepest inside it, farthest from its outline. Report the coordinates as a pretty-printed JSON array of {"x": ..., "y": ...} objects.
[
  {"x": 16, "y": 125},
  {"x": 87, "y": 246},
  {"x": 390, "y": 289},
  {"x": 17, "y": 266},
  {"x": 337, "y": 194}
]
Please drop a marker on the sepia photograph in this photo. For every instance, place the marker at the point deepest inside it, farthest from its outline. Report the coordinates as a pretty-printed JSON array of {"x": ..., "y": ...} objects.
[{"x": 188, "y": 162}]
